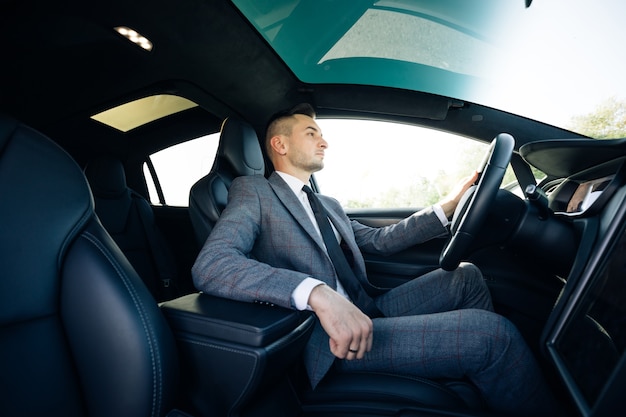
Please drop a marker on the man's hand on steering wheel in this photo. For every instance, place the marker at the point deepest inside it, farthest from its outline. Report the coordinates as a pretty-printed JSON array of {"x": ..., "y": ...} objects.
[
  {"x": 450, "y": 202},
  {"x": 473, "y": 206}
]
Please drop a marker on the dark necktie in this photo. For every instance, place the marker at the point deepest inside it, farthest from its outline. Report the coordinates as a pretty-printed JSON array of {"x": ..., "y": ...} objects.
[{"x": 345, "y": 274}]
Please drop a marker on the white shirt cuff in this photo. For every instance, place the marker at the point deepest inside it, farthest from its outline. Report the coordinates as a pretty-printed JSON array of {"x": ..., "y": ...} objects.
[
  {"x": 300, "y": 296},
  {"x": 441, "y": 215}
]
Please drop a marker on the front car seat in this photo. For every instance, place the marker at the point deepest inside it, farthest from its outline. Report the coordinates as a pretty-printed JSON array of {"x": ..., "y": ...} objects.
[
  {"x": 238, "y": 153},
  {"x": 80, "y": 335}
]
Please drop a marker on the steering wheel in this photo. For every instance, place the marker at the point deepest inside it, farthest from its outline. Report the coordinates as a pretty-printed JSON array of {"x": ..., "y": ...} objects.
[{"x": 471, "y": 211}]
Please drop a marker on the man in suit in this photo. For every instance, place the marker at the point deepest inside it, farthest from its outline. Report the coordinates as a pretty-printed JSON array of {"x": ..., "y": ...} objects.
[{"x": 266, "y": 247}]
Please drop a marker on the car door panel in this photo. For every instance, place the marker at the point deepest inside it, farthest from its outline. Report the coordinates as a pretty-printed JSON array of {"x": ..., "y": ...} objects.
[
  {"x": 390, "y": 271},
  {"x": 526, "y": 302}
]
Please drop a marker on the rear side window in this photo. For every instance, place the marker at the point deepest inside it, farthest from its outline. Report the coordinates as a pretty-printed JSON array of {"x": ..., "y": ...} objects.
[{"x": 179, "y": 167}]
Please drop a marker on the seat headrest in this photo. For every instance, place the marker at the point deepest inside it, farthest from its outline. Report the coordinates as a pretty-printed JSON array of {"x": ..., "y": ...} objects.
[
  {"x": 45, "y": 200},
  {"x": 239, "y": 149},
  {"x": 106, "y": 177}
]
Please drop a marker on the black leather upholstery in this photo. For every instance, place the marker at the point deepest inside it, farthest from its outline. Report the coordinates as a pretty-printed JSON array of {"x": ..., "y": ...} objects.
[
  {"x": 238, "y": 153},
  {"x": 80, "y": 335},
  {"x": 129, "y": 219},
  {"x": 390, "y": 392}
]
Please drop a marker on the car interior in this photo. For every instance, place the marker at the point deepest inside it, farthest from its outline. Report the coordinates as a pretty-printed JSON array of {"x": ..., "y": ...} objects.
[
  {"x": 98, "y": 312},
  {"x": 257, "y": 346},
  {"x": 245, "y": 350}
]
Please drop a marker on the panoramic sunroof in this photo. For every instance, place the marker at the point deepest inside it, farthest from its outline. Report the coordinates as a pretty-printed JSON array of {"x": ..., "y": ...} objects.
[
  {"x": 438, "y": 47},
  {"x": 552, "y": 62},
  {"x": 370, "y": 36},
  {"x": 139, "y": 112}
]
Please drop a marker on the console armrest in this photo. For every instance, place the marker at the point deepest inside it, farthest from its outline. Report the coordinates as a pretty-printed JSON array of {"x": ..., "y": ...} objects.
[{"x": 229, "y": 320}]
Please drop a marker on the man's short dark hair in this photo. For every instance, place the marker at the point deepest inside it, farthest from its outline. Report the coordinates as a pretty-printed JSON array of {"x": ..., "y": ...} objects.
[
  {"x": 273, "y": 125},
  {"x": 302, "y": 108}
]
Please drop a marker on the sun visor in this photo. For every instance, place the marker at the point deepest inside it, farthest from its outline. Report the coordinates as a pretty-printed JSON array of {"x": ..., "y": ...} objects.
[{"x": 566, "y": 157}]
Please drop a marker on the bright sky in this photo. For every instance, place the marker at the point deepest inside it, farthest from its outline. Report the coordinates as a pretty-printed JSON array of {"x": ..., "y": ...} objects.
[{"x": 567, "y": 57}]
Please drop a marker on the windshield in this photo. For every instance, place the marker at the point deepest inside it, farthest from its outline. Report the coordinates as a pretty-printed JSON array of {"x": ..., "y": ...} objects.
[{"x": 557, "y": 61}]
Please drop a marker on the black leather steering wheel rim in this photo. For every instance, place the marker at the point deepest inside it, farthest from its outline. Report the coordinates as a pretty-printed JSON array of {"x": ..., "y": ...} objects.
[{"x": 472, "y": 210}]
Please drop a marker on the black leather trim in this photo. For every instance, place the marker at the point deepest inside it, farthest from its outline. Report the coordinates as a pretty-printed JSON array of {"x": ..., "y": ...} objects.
[{"x": 229, "y": 320}]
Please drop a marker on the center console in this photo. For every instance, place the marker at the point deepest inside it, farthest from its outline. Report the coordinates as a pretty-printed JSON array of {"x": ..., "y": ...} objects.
[{"x": 236, "y": 356}]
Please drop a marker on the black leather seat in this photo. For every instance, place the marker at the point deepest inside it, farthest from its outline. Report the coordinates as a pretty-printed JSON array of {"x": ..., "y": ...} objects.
[
  {"x": 238, "y": 153},
  {"x": 129, "y": 219},
  {"x": 80, "y": 335}
]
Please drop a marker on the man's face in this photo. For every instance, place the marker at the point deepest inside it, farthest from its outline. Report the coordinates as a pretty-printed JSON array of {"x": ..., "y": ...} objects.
[{"x": 306, "y": 145}]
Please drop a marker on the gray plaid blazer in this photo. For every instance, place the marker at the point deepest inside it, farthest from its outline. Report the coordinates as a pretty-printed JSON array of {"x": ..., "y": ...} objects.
[{"x": 264, "y": 245}]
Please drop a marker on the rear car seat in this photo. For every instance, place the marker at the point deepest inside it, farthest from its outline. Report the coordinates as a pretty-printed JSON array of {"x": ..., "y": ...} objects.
[{"x": 129, "y": 219}]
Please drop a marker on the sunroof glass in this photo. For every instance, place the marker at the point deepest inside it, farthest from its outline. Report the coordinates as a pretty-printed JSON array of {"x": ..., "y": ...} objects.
[{"x": 139, "y": 112}]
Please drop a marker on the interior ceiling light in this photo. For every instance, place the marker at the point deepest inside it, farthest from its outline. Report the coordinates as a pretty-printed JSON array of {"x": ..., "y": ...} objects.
[{"x": 135, "y": 37}]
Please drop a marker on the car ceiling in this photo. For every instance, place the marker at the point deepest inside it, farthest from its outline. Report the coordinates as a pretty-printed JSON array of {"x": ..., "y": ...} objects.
[{"x": 62, "y": 62}]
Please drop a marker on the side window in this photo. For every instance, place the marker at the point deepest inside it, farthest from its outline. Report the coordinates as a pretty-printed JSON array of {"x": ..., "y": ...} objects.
[
  {"x": 179, "y": 167},
  {"x": 390, "y": 165}
]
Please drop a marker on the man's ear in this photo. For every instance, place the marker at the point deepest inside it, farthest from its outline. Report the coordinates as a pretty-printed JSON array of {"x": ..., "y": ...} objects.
[{"x": 278, "y": 144}]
